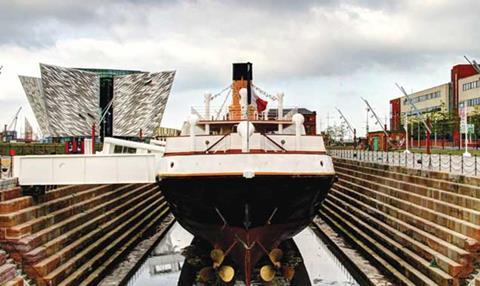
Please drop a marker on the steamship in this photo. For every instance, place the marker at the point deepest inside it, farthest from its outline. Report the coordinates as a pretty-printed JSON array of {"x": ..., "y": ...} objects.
[{"x": 245, "y": 181}]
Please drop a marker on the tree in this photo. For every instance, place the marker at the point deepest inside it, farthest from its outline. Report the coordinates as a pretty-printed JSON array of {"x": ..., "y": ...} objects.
[
  {"x": 442, "y": 122},
  {"x": 474, "y": 118}
]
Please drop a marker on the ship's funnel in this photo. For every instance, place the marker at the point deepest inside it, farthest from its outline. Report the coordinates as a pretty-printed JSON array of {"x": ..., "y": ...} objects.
[
  {"x": 242, "y": 77},
  {"x": 242, "y": 71}
]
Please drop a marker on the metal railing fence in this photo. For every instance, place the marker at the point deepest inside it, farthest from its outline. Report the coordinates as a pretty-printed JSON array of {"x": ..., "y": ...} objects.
[{"x": 454, "y": 164}]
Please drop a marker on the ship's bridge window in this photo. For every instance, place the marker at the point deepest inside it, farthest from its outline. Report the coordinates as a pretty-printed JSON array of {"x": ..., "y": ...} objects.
[{"x": 123, "y": 150}]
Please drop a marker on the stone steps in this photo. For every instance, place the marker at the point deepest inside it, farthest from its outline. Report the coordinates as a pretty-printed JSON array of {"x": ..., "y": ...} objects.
[
  {"x": 10, "y": 194},
  {"x": 17, "y": 281},
  {"x": 35, "y": 225},
  {"x": 10, "y": 199},
  {"x": 83, "y": 224},
  {"x": 61, "y": 253},
  {"x": 424, "y": 225},
  {"x": 103, "y": 268},
  {"x": 400, "y": 182},
  {"x": 53, "y": 231},
  {"x": 49, "y": 206},
  {"x": 421, "y": 206},
  {"x": 104, "y": 247},
  {"x": 8, "y": 271},
  {"x": 408, "y": 257},
  {"x": 54, "y": 236},
  {"x": 439, "y": 205},
  {"x": 384, "y": 258},
  {"x": 444, "y": 233},
  {"x": 452, "y": 260},
  {"x": 16, "y": 204},
  {"x": 64, "y": 191},
  {"x": 462, "y": 185}
]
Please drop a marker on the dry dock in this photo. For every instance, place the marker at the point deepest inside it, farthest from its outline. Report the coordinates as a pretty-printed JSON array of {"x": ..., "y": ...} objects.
[
  {"x": 387, "y": 225},
  {"x": 418, "y": 227},
  {"x": 74, "y": 234}
]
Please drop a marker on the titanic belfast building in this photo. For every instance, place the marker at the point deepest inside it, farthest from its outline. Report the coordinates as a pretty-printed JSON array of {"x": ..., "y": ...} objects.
[{"x": 67, "y": 102}]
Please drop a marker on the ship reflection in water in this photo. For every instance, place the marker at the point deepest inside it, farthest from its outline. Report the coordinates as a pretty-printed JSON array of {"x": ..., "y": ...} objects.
[{"x": 164, "y": 265}]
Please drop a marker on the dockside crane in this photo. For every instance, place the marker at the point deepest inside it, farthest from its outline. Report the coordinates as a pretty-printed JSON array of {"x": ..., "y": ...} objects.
[
  {"x": 379, "y": 122},
  {"x": 13, "y": 124},
  {"x": 418, "y": 114},
  {"x": 474, "y": 64},
  {"x": 353, "y": 130},
  {"x": 11, "y": 127}
]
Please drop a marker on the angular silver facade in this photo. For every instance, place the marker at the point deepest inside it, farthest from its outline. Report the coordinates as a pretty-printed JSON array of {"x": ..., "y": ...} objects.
[
  {"x": 67, "y": 101},
  {"x": 139, "y": 102},
  {"x": 34, "y": 91},
  {"x": 71, "y": 99}
]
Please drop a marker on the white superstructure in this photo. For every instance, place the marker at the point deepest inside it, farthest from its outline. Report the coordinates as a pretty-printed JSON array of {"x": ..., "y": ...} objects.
[{"x": 242, "y": 144}]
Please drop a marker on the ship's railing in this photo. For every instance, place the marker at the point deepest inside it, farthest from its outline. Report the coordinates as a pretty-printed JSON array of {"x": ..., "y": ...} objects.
[
  {"x": 274, "y": 142},
  {"x": 454, "y": 164},
  {"x": 214, "y": 113},
  {"x": 219, "y": 113},
  {"x": 266, "y": 143}
]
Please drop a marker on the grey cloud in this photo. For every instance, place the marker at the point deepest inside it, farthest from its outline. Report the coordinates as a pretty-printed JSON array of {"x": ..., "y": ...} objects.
[
  {"x": 284, "y": 39},
  {"x": 41, "y": 23}
]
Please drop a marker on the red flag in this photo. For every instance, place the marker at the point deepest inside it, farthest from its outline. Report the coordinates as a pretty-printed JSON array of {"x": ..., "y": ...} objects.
[{"x": 261, "y": 104}]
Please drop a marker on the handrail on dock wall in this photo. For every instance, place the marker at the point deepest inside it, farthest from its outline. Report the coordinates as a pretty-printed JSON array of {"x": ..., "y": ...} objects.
[{"x": 454, "y": 164}]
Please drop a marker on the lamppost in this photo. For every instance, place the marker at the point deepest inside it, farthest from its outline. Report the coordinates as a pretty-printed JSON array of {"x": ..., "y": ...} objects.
[
  {"x": 406, "y": 134},
  {"x": 465, "y": 128}
]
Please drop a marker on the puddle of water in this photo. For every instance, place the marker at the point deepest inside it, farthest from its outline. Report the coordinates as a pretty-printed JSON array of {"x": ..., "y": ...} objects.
[
  {"x": 322, "y": 266},
  {"x": 163, "y": 265},
  {"x": 165, "y": 262}
]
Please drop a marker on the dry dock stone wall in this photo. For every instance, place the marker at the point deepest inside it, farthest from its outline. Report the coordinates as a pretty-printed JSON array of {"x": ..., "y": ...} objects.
[
  {"x": 10, "y": 274},
  {"x": 418, "y": 227},
  {"x": 74, "y": 235}
]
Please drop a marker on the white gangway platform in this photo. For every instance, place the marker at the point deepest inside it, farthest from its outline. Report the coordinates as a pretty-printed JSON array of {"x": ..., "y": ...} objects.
[{"x": 100, "y": 168}]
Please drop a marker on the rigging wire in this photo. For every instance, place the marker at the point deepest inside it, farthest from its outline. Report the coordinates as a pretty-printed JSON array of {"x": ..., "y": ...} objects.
[
  {"x": 264, "y": 93},
  {"x": 223, "y": 104},
  {"x": 222, "y": 91}
]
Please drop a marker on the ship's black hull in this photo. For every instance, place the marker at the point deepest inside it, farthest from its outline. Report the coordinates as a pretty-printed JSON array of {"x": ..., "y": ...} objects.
[{"x": 245, "y": 217}]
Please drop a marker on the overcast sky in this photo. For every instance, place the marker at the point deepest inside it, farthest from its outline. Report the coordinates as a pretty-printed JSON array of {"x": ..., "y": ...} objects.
[{"x": 322, "y": 54}]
